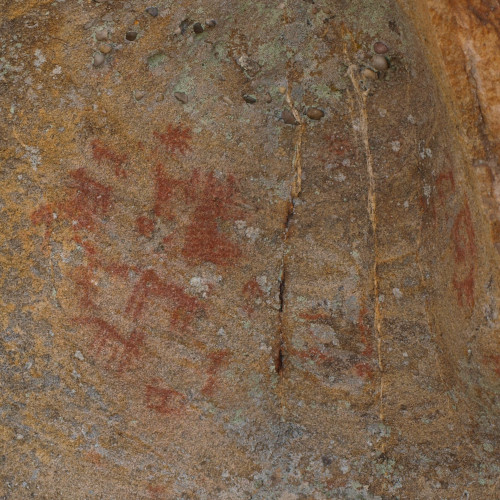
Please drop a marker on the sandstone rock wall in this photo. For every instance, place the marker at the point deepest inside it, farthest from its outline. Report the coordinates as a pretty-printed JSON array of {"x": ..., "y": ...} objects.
[{"x": 245, "y": 256}]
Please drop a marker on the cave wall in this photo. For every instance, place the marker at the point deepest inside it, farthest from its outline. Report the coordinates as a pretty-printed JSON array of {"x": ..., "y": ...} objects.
[
  {"x": 207, "y": 291},
  {"x": 462, "y": 40}
]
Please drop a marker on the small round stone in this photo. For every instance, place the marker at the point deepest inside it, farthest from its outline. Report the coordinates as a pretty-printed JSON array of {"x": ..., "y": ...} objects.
[
  {"x": 98, "y": 59},
  {"x": 139, "y": 94},
  {"x": 181, "y": 97},
  {"x": 380, "y": 48},
  {"x": 101, "y": 35},
  {"x": 211, "y": 23},
  {"x": 379, "y": 63},
  {"x": 198, "y": 28},
  {"x": 152, "y": 11},
  {"x": 288, "y": 118},
  {"x": 251, "y": 99},
  {"x": 282, "y": 89},
  {"x": 88, "y": 25},
  {"x": 369, "y": 73},
  {"x": 131, "y": 35},
  {"x": 105, "y": 48},
  {"x": 315, "y": 113},
  {"x": 79, "y": 355}
]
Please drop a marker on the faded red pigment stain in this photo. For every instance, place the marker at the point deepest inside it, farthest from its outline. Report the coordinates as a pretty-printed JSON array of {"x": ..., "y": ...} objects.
[
  {"x": 462, "y": 237},
  {"x": 337, "y": 146},
  {"x": 118, "y": 351},
  {"x": 214, "y": 200},
  {"x": 164, "y": 188},
  {"x": 174, "y": 139},
  {"x": 464, "y": 240},
  {"x": 86, "y": 202},
  {"x": 364, "y": 370},
  {"x": 157, "y": 492},
  {"x": 313, "y": 353},
  {"x": 151, "y": 286},
  {"x": 493, "y": 360},
  {"x": 201, "y": 203},
  {"x": 314, "y": 316},
  {"x": 94, "y": 458},
  {"x": 445, "y": 188},
  {"x": 87, "y": 290},
  {"x": 44, "y": 216},
  {"x": 103, "y": 153},
  {"x": 89, "y": 202},
  {"x": 206, "y": 201},
  {"x": 217, "y": 360},
  {"x": 445, "y": 185},
  {"x": 84, "y": 277},
  {"x": 251, "y": 291},
  {"x": 164, "y": 400},
  {"x": 145, "y": 226},
  {"x": 362, "y": 363}
]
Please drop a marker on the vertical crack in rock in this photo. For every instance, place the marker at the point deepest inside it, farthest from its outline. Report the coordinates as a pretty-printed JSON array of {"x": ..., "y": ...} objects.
[
  {"x": 281, "y": 349},
  {"x": 281, "y": 343},
  {"x": 360, "y": 98}
]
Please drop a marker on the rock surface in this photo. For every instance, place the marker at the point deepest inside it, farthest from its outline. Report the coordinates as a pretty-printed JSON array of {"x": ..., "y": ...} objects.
[{"x": 199, "y": 300}]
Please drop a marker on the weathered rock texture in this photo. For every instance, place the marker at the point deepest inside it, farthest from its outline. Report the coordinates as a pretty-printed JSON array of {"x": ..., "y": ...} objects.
[{"x": 200, "y": 300}]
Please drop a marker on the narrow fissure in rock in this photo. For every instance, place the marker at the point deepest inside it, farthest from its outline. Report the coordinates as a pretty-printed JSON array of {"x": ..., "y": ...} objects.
[{"x": 281, "y": 350}]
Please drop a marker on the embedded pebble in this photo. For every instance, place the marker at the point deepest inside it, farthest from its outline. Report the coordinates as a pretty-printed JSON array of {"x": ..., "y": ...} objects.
[
  {"x": 131, "y": 35},
  {"x": 380, "y": 48},
  {"x": 152, "y": 11},
  {"x": 250, "y": 99},
  {"x": 184, "y": 25},
  {"x": 282, "y": 90},
  {"x": 248, "y": 65},
  {"x": 79, "y": 355},
  {"x": 369, "y": 73},
  {"x": 182, "y": 97},
  {"x": 268, "y": 98},
  {"x": 288, "y": 118},
  {"x": 101, "y": 35},
  {"x": 380, "y": 63},
  {"x": 160, "y": 97},
  {"x": 105, "y": 48},
  {"x": 315, "y": 113},
  {"x": 88, "y": 25},
  {"x": 211, "y": 23},
  {"x": 139, "y": 94},
  {"x": 198, "y": 28},
  {"x": 98, "y": 59}
]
